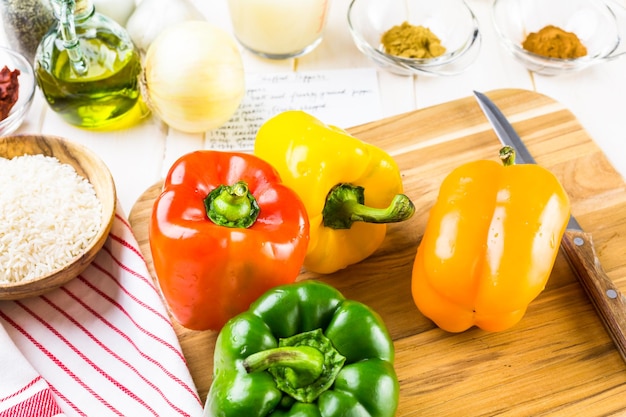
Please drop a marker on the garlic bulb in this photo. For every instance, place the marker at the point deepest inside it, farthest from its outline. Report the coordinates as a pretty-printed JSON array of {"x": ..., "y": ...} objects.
[
  {"x": 194, "y": 76},
  {"x": 118, "y": 10},
  {"x": 151, "y": 17}
]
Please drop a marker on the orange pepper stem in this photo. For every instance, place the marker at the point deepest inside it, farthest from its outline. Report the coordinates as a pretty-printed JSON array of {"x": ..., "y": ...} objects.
[
  {"x": 232, "y": 206},
  {"x": 507, "y": 156},
  {"x": 345, "y": 205}
]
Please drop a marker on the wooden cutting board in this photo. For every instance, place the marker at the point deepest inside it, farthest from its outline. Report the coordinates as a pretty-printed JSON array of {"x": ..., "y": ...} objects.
[{"x": 558, "y": 360}]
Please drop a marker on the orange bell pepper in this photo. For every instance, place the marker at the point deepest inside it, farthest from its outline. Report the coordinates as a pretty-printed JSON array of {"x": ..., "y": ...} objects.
[{"x": 490, "y": 243}]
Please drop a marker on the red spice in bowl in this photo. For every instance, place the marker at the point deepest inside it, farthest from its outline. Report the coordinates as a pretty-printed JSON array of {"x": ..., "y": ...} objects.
[{"x": 9, "y": 90}]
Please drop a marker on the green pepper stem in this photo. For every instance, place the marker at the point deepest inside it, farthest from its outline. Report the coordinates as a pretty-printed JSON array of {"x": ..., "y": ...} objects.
[
  {"x": 232, "y": 206},
  {"x": 303, "y": 365},
  {"x": 306, "y": 361},
  {"x": 507, "y": 156},
  {"x": 345, "y": 205}
]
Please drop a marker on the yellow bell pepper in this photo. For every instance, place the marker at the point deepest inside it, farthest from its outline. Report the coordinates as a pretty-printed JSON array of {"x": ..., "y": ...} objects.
[
  {"x": 350, "y": 188},
  {"x": 490, "y": 243}
]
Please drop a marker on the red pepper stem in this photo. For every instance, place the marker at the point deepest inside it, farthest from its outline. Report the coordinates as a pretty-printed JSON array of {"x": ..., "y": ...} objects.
[
  {"x": 345, "y": 205},
  {"x": 507, "y": 156},
  {"x": 232, "y": 206}
]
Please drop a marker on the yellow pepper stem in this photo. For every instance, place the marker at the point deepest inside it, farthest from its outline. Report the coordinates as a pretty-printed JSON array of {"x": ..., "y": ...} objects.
[{"x": 345, "y": 205}]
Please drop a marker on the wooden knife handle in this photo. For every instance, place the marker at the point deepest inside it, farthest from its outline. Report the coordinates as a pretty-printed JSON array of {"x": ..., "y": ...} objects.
[{"x": 609, "y": 302}]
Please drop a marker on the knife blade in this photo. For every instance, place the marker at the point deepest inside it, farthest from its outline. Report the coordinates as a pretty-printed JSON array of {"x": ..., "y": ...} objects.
[{"x": 577, "y": 244}]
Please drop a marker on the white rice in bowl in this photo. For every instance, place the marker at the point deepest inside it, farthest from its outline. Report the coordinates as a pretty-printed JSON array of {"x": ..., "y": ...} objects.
[{"x": 48, "y": 215}]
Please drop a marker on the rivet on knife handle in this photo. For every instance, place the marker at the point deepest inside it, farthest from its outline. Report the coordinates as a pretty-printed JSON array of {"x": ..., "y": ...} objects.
[{"x": 609, "y": 302}]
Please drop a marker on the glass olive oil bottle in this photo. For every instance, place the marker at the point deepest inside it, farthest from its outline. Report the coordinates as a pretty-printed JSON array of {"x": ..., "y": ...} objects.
[{"x": 88, "y": 68}]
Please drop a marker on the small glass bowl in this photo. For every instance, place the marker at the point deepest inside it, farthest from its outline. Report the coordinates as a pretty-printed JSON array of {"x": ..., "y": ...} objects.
[
  {"x": 14, "y": 60},
  {"x": 595, "y": 22},
  {"x": 452, "y": 21}
]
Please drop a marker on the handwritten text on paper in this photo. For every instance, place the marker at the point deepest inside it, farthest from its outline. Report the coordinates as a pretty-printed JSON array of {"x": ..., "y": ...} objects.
[{"x": 342, "y": 98}]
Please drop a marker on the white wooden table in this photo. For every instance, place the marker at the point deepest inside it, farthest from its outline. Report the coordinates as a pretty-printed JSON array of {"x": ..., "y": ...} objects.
[{"x": 139, "y": 156}]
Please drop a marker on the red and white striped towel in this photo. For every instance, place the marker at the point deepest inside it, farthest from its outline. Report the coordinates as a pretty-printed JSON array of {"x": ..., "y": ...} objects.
[{"x": 102, "y": 345}]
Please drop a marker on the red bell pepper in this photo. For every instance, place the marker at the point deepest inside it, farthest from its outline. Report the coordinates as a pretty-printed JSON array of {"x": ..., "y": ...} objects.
[{"x": 223, "y": 231}]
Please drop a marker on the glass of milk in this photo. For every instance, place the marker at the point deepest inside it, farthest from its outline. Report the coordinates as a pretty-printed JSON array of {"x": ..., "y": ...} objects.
[{"x": 279, "y": 29}]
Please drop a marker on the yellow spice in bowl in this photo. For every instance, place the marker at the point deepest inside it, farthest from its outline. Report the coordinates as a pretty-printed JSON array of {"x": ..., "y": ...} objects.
[{"x": 410, "y": 41}]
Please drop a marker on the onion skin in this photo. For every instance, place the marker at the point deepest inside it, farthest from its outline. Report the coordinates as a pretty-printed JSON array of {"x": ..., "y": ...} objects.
[{"x": 194, "y": 77}]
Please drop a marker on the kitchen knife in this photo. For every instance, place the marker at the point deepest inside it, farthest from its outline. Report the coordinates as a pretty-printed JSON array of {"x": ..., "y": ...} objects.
[{"x": 577, "y": 245}]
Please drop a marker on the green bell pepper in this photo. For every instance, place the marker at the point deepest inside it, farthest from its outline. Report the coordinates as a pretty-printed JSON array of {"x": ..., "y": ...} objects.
[{"x": 304, "y": 350}]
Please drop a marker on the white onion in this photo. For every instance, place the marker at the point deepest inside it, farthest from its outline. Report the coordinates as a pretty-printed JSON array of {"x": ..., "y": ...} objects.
[{"x": 194, "y": 77}]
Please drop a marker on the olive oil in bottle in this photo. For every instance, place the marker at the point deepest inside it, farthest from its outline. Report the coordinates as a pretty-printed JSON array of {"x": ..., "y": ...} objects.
[{"x": 88, "y": 68}]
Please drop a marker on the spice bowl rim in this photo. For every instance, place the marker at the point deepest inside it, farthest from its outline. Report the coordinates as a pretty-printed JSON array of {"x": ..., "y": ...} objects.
[
  {"x": 545, "y": 65},
  {"x": 87, "y": 164},
  {"x": 450, "y": 63},
  {"x": 27, "y": 88}
]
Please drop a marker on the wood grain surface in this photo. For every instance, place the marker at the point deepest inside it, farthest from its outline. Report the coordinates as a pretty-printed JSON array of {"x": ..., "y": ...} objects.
[{"x": 558, "y": 360}]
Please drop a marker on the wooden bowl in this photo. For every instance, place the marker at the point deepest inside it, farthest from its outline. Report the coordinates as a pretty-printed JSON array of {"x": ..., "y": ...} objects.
[{"x": 90, "y": 166}]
